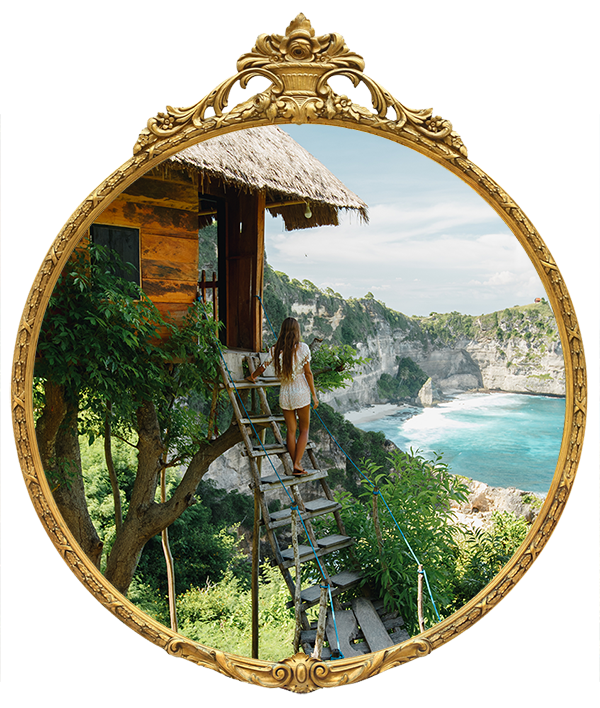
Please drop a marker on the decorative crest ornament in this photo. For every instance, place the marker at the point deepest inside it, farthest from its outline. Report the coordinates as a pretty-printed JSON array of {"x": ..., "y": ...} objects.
[{"x": 299, "y": 65}]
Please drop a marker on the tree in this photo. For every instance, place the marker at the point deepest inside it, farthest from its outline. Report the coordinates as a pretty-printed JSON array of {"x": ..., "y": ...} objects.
[
  {"x": 108, "y": 364},
  {"x": 101, "y": 362}
]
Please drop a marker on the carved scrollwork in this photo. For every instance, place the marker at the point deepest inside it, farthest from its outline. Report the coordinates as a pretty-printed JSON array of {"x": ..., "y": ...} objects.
[
  {"x": 300, "y": 44},
  {"x": 299, "y": 66}
]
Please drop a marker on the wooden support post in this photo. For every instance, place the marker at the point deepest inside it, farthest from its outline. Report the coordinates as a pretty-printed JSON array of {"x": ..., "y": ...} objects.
[
  {"x": 420, "y": 599},
  {"x": 214, "y": 296},
  {"x": 242, "y": 252},
  {"x": 168, "y": 557},
  {"x": 202, "y": 287},
  {"x": 297, "y": 597},
  {"x": 321, "y": 623},
  {"x": 255, "y": 564}
]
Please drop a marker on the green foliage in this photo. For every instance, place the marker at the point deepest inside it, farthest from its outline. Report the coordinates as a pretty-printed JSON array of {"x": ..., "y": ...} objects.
[
  {"x": 203, "y": 541},
  {"x": 98, "y": 490},
  {"x": 219, "y": 615},
  {"x": 419, "y": 494},
  {"x": 532, "y": 500},
  {"x": 98, "y": 331},
  {"x": 405, "y": 384},
  {"x": 99, "y": 339},
  {"x": 481, "y": 553},
  {"x": 150, "y": 601},
  {"x": 357, "y": 444},
  {"x": 207, "y": 250},
  {"x": 333, "y": 366},
  {"x": 357, "y": 323}
]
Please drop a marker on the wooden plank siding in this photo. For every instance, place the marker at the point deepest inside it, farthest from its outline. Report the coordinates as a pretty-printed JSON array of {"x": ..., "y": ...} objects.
[
  {"x": 166, "y": 214},
  {"x": 149, "y": 217}
]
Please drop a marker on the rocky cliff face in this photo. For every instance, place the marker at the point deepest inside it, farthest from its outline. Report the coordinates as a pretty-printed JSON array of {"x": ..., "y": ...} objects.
[
  {"x": 466, "y": 364},
  {"x": 516, "y": 350}
]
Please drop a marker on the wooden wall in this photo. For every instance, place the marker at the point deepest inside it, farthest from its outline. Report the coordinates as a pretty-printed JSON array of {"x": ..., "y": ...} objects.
[{"x": 166, "y": 213}]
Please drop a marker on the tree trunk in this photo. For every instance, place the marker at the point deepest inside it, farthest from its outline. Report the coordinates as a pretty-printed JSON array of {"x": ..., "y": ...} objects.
[
  {"x": 146, "y": 518},
  {"x": 58, "y": 443}
]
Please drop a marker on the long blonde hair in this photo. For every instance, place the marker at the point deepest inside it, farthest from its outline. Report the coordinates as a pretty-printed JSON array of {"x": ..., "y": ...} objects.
[{"x": 283, "y": 354}]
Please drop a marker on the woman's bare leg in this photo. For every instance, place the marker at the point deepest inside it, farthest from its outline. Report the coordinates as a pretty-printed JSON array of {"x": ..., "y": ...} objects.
[
  {"x": 290, "y": 438},
  {"x": 304, "y": 424}
]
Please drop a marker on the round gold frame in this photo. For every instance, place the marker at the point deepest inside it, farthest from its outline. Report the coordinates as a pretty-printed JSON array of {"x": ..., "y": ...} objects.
[{"x": 298, "y": 65}]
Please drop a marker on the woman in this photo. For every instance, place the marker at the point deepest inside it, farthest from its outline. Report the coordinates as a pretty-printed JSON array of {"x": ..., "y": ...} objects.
[{"x": 291, "y": 359}]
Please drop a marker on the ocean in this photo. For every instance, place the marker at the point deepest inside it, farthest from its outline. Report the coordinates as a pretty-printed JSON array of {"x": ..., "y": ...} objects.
[{"x": 502, "y": 439}]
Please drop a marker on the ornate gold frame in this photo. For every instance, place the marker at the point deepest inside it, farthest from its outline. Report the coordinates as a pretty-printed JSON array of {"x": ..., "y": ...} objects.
[{"x": 298, "y": 65}]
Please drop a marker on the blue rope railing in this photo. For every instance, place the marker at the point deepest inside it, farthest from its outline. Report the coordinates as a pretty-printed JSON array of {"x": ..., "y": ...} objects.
[{"x": 375, "y": 489}]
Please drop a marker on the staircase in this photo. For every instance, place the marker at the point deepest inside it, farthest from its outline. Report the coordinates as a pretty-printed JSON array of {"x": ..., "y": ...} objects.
[{"x": 358, "y": 620}]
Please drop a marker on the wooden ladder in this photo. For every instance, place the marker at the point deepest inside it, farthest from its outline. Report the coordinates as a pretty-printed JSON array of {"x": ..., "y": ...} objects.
[
  {"x": 253, "y": 424},
  {"x": 254, "y": 416}
]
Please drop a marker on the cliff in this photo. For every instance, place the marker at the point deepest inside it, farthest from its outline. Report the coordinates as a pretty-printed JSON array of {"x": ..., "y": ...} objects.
[{"x": 516, "y": 349}]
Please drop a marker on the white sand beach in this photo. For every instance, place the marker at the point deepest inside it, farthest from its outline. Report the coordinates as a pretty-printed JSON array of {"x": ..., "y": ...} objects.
[{"x": 374, "y": 412}]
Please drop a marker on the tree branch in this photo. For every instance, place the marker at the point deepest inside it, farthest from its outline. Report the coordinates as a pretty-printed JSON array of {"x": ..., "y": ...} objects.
[{"x": 114, "y": 482}]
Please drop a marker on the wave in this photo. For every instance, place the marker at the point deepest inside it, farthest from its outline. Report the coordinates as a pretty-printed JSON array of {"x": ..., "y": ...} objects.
[{"x": 502, "y": 439}]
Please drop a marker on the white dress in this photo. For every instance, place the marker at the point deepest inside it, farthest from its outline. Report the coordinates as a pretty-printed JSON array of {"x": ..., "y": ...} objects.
[{"x": 295, "y": 394}]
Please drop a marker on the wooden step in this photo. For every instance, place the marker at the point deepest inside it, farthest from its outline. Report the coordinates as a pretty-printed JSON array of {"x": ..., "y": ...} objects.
[
  {"x": 262, "y": 419},
  {"x": 271, "y": 449},
  {"x": 371, "y": 625},
  {"x": 261, "y": 382},
  {"x": 326, "y": 545},
  {"x": 340, "y": 583},
  {"x": 346, "y": 579},
  {"x": 347, "y": 630},
  {"x": 318, "y": 507},
  {"x": 273, "y": 481}
]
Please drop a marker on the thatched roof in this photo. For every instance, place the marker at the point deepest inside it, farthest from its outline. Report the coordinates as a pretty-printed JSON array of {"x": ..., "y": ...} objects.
[{"x": 268, "y": 160}]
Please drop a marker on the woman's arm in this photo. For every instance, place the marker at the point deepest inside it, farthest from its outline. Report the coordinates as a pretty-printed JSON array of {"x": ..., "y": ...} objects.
[
  {"x": 259, "y": 369},
  {"x": 311, "y": 382},
  {"x": 257, "y": 372}
]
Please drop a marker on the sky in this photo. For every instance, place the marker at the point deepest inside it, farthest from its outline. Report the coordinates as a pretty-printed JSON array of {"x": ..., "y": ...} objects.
[{"x": 434, "y": 245}]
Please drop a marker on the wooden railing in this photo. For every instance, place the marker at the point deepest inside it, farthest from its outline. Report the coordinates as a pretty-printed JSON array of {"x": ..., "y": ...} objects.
[{"x": 209, "y": 286}]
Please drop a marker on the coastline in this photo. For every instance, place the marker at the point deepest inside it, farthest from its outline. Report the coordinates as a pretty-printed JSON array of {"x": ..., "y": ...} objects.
[
  {"x": 394, "y": 418},
  {"x": 375, "y": 411}
]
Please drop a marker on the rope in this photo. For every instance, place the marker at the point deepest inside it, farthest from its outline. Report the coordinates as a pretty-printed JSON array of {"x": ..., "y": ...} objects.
[
  {"x": 376, "y": 491},
  {"x": 267, "y": 316}
]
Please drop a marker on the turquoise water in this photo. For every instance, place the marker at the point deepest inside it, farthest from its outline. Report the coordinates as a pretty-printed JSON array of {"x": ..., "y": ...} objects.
[{"x": 502, "y": 439}]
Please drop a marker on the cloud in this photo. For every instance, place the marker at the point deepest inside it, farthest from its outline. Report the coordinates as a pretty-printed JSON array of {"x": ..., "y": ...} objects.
[{"x": 423, "y": 254}]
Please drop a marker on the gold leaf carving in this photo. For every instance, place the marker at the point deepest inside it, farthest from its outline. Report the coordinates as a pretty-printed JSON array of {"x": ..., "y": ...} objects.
[{"x": 299, "y": 65}]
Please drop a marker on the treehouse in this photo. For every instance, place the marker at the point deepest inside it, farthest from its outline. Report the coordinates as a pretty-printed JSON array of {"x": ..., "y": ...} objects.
[{"x": 232, "y": 179}]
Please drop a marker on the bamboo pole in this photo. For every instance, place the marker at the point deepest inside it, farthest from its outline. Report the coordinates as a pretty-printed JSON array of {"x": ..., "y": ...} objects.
[
  {"x": 420, "y": 598},
  {"x": 168, "y": 556},
  {"x": 214, "y": 296},
  {"x": 321, "y": 623},
  {"x": 297, "y": 597},
  {"x": 255, "y": 564}
]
